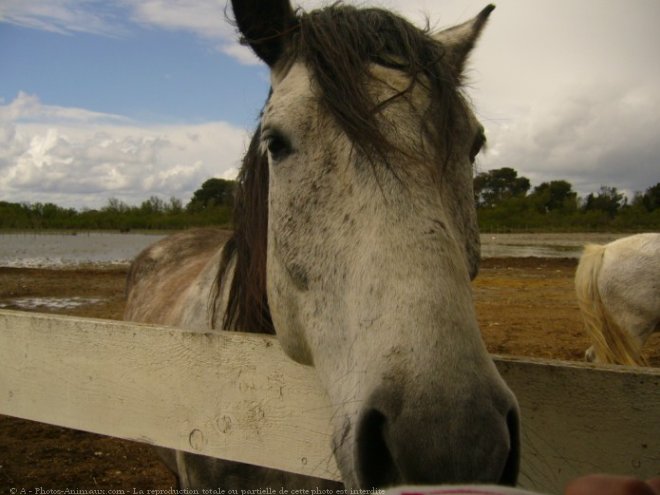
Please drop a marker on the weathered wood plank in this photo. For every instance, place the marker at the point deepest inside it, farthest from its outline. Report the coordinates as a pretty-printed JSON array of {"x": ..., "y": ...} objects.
[
  {"x": 224, "y": 394},
  {"x": 580, "y": 419},
  {"x": 238, "y": 397}
]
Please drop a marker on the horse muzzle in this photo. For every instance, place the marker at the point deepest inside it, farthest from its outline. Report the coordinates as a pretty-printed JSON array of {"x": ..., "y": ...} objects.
[{"x": 404, "y": 437}]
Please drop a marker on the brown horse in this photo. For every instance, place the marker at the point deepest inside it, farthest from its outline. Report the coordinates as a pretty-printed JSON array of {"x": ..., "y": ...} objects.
[{"x": 355, "y": 242}]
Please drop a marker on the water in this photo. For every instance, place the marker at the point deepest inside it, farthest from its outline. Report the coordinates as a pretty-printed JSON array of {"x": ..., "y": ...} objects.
[
  {"x": 103, "y": 249},
  {"x": 114, "y": 249},
  {"x": 41, "y": 303},
  {"x": 67, "y": 250},
  {"x": 540, "y": 245}
]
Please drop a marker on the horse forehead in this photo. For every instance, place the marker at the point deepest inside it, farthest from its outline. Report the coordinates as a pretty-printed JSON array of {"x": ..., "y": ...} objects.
[
  {"x": 293, "y": 81},
  {"x": 291, "y": 89},
  {"x": 389, "y": 80}
]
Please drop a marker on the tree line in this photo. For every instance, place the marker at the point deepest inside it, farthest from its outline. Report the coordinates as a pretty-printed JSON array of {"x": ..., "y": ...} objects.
[
  {"x": 211, "y": 204},
  {"x": 505, "y": 202}
]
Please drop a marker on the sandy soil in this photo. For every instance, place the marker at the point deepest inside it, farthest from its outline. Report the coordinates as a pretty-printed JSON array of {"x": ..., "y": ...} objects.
[{"x": 525, "y": 307}]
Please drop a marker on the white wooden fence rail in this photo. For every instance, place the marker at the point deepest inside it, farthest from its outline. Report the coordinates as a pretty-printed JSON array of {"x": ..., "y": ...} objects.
[{"x": 236, "y": 396}]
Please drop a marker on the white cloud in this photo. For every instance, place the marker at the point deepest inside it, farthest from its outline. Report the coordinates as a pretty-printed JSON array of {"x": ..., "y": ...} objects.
[
  {"x": 568, "y": 90},
  {"x": 81, "y": 163},
  {"x": 590, "y": 136},
  {"x": 27, "y": 108},
  {"x": 240, "y": 52},
  {"x": 205, "y": 18},
  {"x": 208, "y": 19},
  {"x": 62, "y": 16}
]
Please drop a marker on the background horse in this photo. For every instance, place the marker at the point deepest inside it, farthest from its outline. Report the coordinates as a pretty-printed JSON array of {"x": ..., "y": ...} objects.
[
  {"x": 355, "y": 242},
  {"x": 618, "y": 291}
]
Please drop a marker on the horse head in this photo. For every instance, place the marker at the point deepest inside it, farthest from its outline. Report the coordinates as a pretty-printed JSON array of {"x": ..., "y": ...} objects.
[{"x": 365, "y": 152}]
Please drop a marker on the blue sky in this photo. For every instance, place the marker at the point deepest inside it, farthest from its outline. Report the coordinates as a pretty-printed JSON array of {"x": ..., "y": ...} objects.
[
  {"x": 147, "y": 75},
  {"x": 126, "y": 99}
]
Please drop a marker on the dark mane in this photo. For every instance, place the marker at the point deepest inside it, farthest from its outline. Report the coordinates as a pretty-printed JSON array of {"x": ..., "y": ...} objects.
[
  {"x": 339, "y": 43},
  {"x": 338, "y": 40},
  {"x": 247, "y": 307}
]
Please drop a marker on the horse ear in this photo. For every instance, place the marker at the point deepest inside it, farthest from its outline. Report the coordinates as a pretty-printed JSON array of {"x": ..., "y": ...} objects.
[
  {"x": 460, "y": 40},
  {"x": 264, "y": 25}
]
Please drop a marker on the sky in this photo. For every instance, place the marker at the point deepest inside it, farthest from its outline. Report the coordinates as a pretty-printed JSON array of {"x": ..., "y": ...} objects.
[{"x": 128, "y": 99}]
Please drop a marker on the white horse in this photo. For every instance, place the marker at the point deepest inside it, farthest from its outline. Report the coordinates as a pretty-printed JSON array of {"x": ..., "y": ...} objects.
[
  {"x": 618, "y": 291},
  {"x": 355, "y": 242}
]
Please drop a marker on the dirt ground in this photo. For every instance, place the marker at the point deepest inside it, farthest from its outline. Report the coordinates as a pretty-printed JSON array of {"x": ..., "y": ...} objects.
[{"x": 525, "y": 307}]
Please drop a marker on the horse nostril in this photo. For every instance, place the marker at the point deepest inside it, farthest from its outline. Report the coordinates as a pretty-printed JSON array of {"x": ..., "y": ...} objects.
[
  {"x": 375, "y": 465},
  {"x": 510, "y": 471}
]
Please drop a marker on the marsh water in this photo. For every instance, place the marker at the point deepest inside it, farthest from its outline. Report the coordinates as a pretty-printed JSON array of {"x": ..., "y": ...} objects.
[
  {"x": 108, "y": 249},
  {"x": 555, "y": 245},
  {"x": 58, "y": 250},
  {"x": 46, "y": 250}
]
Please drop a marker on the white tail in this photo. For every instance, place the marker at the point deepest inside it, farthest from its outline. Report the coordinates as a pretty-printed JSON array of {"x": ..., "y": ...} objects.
[{"x": 612, "y": 344}]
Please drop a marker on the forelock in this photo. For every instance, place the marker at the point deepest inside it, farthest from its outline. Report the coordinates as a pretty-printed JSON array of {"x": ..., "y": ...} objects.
[{"x": 339, "y": 44}]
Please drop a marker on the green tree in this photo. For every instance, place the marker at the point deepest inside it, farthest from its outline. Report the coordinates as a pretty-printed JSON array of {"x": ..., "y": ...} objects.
[
  {"x": 651, "y": 198},
  {"x": 153, "y": 205},
  {"x": 495, "y": 186},
  {"x": 116, "y": 206},
  {"x": 554, "y": 195},
  {"x": 214, "y": 192},
  {"x": 174, "y": 207},
  {"x": 608, "y": 200}
]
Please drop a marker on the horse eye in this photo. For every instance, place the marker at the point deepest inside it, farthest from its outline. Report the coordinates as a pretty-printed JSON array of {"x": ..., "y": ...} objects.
[
  {"x": 276, "y": 143},
  {"x": 479, "y": 142}
]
